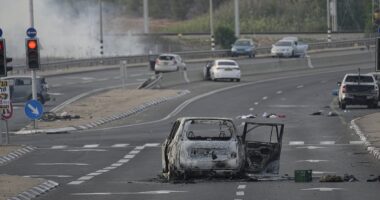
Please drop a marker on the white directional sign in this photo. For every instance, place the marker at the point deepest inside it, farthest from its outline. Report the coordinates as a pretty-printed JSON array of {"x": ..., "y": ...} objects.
[{"x": 5, "y": 97}]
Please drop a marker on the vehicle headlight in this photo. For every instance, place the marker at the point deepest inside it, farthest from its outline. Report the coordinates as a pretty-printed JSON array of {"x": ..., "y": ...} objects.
[{"x": 233, "y": 49}]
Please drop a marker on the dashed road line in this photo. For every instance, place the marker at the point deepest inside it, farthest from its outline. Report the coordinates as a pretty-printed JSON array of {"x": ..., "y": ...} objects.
[
  {"x": 327, "y": 142},
  {"x": 119, "y": 145},
  {"x": 279, "y": 92},
  {"x": 91, "y": 146},
  {"x": 300, "y": 86},
  {"x": 59, "y": 147},
  {"x": 74, "y": 164},
  {"x": 265, "y": 98},
  {"x": 296, "y": 143}
]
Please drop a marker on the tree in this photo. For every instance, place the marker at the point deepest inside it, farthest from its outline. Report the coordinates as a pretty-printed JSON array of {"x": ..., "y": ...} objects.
[{"x": 224, "y": 36}]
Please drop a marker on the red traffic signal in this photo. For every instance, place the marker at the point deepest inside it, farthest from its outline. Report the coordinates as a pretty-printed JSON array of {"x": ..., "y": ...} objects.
[{"x": 32, "y": 53}]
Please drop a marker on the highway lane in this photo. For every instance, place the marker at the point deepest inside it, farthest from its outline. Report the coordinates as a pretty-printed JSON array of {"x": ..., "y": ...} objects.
[{"x": 299, "y": 96}]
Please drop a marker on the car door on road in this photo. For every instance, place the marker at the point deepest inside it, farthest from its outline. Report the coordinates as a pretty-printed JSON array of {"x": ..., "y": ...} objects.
[
  {"x": 262, "y": 146},
  {"x": 24, "y": 86}
]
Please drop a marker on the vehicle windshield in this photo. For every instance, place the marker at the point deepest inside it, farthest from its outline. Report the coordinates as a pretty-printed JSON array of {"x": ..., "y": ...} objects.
[
  {"x": 283, "y": 43},
  {"x": 167, "y": 58},
  {"x": 363, "y": 79},
  {"x": 242, "y": 43},
  {"x": 208, "y": 129},
  {"x": 227, "y": 63}
]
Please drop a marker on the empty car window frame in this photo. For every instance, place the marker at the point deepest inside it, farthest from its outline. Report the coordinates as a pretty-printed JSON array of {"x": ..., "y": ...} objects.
[
  {"x": 166, "y": 58},
  {"x": 208, "y": 129}
]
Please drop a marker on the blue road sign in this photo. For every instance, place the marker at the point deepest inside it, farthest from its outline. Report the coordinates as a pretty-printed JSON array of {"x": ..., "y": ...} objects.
[
  {"x": 1, "y": 32},
  {"x": 33, "y": 109},
  {"x": 31, "y": 32}
]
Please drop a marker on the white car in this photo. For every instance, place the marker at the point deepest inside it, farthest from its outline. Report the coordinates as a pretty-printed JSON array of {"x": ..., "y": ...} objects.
[
  {"x": 289, "y": 47},
  {"x": 222, "y": 69},
  {"x": 168, "y": 63}
]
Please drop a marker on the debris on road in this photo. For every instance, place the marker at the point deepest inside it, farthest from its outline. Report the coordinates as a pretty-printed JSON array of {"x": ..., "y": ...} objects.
[
  {"x": 51, "y": 116},
  {"x": 273, "y": 115},
  {"x": 349, "y": 178},
  {"x": 373, "y": 178},
  {"x": 331, "y": 178},
  {"x": 332, "y": 114},
  {"x": 249, "y": 116},
  {"x": 317, "y": 113}
]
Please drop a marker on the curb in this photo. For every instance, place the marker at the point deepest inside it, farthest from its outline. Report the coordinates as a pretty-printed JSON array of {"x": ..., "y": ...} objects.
[
  {"x": 15, "y": 154},
  {"x": 107, "y": 119},
  {"x": 36, "y": 191},
  {"x": 371, "y": 149}
]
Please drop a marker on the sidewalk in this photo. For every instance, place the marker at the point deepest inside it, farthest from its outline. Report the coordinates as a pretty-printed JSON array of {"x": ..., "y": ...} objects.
[{"x": 368, "y": 129}]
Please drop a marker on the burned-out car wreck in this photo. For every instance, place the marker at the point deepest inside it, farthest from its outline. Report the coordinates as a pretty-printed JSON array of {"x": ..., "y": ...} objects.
[{"x": 198, "y": 146}]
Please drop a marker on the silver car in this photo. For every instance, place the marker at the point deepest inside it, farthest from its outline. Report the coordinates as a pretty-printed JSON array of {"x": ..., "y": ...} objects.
[
  {"x": 21, "y": 88},
  {"x": 168, "y": 63}
]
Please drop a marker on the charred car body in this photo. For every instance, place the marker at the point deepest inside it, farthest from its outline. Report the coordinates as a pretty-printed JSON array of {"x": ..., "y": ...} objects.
[{"x": 211, "y": 146}]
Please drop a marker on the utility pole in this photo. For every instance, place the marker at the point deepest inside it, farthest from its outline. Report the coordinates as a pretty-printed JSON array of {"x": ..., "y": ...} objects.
[
  {"x": 212, "y": 28},
  {"x": 33, "y": 72},
  {"x": 237, "y": 19},
  {"x": 328, "y": 21},
  {"x": 334, "y": 15},
  {"x": 146, "y": 17}
]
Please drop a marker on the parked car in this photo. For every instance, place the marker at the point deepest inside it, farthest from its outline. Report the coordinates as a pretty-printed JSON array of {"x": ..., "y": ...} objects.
[
  {"x": 168, "y": 63},
  {"x": 21, "y": 88},
  {"x": 222, "y": 69},
  {"x": 289, "y": 47},
  {"x": 199, "y": 146},
  {"x": 244, "y": 47},
  {"x": 358, "y": 89}
]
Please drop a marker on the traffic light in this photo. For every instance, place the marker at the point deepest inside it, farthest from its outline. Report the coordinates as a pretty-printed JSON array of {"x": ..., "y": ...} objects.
[
  {"x": 3, "y": 59},
  {"x": 32, "y": 53}
]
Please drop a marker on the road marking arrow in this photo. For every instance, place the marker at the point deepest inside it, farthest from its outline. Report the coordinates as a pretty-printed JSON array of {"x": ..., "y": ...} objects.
[{"x": 34, "y": 109}]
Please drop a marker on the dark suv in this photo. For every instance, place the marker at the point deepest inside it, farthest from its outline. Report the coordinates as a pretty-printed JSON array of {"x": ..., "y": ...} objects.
[{"x": 21, "y": 88}]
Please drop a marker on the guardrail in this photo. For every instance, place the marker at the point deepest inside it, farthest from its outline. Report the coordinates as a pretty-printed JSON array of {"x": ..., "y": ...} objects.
[{"x": 187, "y": 55}]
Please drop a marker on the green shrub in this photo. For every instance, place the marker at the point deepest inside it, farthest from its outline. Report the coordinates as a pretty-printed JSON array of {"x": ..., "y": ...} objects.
[{"x": 224, "y": 36}]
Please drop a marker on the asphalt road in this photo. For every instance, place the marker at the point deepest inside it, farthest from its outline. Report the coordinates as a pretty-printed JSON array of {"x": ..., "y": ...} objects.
[{"x": 123, "y": 161}]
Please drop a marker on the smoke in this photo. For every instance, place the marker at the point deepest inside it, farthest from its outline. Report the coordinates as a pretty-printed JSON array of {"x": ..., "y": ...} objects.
[{"x": 67, "y": 29}]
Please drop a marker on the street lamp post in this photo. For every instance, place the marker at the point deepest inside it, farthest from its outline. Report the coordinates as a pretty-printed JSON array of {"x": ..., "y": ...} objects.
[
  {"x": 146, "y": 17},
  {"x": 212, "y": 27},
  {"x": 101, "y": 26},
  {"x": 237, "y": 19}
]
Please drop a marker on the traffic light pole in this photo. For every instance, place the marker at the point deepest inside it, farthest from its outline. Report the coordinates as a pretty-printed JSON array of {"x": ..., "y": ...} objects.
[{"x": 34, "y": 75}]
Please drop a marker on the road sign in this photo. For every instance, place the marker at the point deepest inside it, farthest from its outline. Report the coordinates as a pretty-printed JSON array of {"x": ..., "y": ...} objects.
[
  {"x": 7, "y": 113},
  {"x": 31, "y": 32},
  {"x": 33, "y": 109},
  {"x": 1, "y": 32},
  {"x": 5, "y": 97}
]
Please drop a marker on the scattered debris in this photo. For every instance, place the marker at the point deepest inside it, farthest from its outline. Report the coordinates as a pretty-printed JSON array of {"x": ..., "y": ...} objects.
[
  {"x": 273, "y": 115},
  {"x": 51, "y": 116},
  {"x": 373, "y": 178},
  {"x": 317, "y": 113},
  {"x": 331, "y": 178},
  {"x": 349, "y": 178},
  {"x": 249, "y": 116},
  {"x": 332, "y": 114}
]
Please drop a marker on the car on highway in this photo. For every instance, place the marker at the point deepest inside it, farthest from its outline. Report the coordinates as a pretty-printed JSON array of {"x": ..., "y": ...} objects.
[
  {"x": 21, "y": 88},
  {"x": 358, "y": 89},
  {"x": 289, "y": 47},
  {"x": 211, "y": 146},
  {"x": 244, "y": 47},
  {"x": 168, "y": 63},
  {"x": 222, "y": 69}
]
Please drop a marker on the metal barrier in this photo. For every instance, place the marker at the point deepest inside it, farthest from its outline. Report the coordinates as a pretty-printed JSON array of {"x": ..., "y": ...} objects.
[{"x": 64, "y": 64}]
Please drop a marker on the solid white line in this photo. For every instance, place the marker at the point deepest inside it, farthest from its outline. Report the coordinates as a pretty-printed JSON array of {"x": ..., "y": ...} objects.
[
  {"x": 312, "y": 161},
  {"x": 241, "y": 187},
  {"x": 240, "y": 193},
  {"x": 296, "y": 143},
  {"x": 77, "y": 150},
  {"x": 119, "y": 145},
  {"x": 85, "y": 178},
  {"x": 75, "y": 164},
  {"x": 75, "y": 182},
  {"x": 357, "y": 142},
  {"x": 327, "y": 143},
  {"x": 152, "y": 144},
  {"x": 129, "y": 156},
  {"x": 91, "y": 146},
  {"x": 134, "y": 152},
  {"x": 59, "y": 147}
]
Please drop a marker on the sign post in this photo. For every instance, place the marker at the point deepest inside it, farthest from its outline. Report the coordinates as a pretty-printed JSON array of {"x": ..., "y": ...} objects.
[{"x": 34, "y": 110}]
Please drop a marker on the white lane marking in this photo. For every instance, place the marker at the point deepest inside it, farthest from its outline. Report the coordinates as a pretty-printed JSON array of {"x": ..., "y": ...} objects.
[
  {"x": 87, "y": 78},
  {"x": 322, "y": 189},
  {"x": 117, "y": 164},
  {"x": 94, "y": 174},
  {"x": 139, "y": 147},
  {"x": 256, "y": 103},
  {"x": 75, "y": 182},
  {"x": 279, "y": 92},
  {"x": 123, "y": 161},
  {"x": 265, "y": 98},
  {"x": 48, "y": 176},
  {"x": 238, "y": 199},
  {"x": 102, "y": 171},
  {"x": 251, "y": 109},
  {"x": 129, "y": 156},
  {"x": 74, "y": 164},
  {"x": 119, "y": 145},
  {"x": 242, "y": 187},
  {"x": 134, "y": 152},
  {"x": 55, "y": 93},
  {"x": 327, "y": 143},
  {"x": 312, "y": 161},
  {"x": 59, "y": 147},
  {"x": 357, "y": 142},
  {"x": 240, "y": 193},
  {"x": 300, "y": 86},
  {"x": 152, "y": 144},
  {"x": 296, "y": 143},
  {"x": 85, "y": 178},
  {"x": 290, "y": 106},
  {"x": 77, "y": 150},
  {"x": 310, "y": 147},
  {"x": 109, "y": 168},
  {"x": 127, "y": 193},
  {"x": 321, "y": 172},
  {"x": 91, "y": 146}
]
